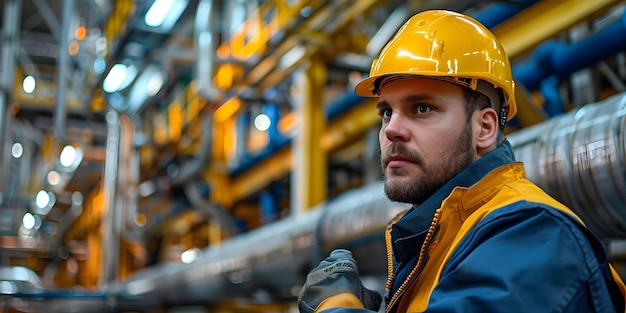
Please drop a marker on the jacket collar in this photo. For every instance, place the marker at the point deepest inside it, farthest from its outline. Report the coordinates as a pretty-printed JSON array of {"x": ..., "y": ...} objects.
[{"x": 409, "y": 230}]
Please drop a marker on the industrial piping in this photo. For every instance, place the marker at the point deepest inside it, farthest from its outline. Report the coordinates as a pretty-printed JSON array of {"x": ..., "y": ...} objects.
[{"x": 578, "y": 158}]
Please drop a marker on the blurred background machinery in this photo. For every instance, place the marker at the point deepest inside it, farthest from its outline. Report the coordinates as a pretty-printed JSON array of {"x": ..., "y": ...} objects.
[{"x": 202, "y": 156}]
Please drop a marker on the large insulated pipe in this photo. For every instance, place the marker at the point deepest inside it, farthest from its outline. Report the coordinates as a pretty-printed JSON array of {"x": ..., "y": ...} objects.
[
  {"x": 580, "y": 159},
  {"x": 272, "y": 258}
]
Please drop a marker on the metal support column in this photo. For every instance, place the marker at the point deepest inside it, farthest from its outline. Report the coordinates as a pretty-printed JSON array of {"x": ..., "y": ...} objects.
[
  {"x": 62, "y": 72},
  {"x": 111, "y": 222},
  {"x": 8, "y": 62},
  {"x": 309, "y": 172}
]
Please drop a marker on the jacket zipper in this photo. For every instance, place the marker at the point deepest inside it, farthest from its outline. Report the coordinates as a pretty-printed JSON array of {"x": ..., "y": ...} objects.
[{"x": 416, "y": 269}]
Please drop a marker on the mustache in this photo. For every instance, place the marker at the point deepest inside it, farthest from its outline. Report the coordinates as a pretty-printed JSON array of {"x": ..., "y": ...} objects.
[{"x": 400, "y": 150}]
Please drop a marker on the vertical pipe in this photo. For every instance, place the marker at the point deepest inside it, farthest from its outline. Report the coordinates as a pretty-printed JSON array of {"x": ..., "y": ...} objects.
[
  {"x": 273, "y": 112},
  {"x": 242, "y": 121},
  {"x": 110, "y": 234},
  {"x": 10, "y": 46},
  {"x": 206, "y": 47},
  {"x": 62, "y": 71},
  {"x": 128, "y": 180}
]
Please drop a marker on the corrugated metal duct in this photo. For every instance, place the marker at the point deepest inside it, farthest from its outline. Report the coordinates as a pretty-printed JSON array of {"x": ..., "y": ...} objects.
[{"x": 579, "y": 158}]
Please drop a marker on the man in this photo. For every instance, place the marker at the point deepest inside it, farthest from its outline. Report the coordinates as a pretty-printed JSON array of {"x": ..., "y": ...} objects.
[{"x": 479, "y": 236}]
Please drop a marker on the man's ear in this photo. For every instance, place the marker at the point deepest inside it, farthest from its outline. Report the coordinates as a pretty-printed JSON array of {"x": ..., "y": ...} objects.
[{"x": 487, "y": 134}]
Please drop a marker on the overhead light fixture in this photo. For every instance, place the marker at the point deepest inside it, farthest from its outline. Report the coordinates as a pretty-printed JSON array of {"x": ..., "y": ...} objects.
[
  {"x": 69, "y": 159},
  {"x": 17, "y": 150},
  {"x": 262, "y": 122},
  {"x": 44, "y": 201},
  {"x": 114, "y": 79},
  {"x": 69, "y": 156},
  {"x": 28, "y": 221},
  {"x": 29, "y": 84},
  {"x": 119, "y": 77},
  {"x": 165, "y": 13}
]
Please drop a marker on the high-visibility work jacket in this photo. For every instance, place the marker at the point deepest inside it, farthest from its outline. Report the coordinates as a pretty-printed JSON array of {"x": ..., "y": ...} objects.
[{"x": 492, "y": 241}]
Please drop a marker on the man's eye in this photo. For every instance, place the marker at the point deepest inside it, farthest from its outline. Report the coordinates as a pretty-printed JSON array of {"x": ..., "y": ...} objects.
[
  {"x": 385, "y": 113},
  {"x": 423, "y": 109}
]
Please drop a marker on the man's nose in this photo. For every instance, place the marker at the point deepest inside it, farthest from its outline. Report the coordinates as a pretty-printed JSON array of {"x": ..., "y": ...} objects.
[{"x": 396, "y": 128}]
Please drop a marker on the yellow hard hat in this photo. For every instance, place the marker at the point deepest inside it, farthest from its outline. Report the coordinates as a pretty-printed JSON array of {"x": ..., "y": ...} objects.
[{"x": 449, "y": 46}]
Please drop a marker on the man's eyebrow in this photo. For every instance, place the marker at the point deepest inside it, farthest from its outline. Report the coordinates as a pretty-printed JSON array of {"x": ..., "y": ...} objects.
[
  {"x": 417, "y": 98},
  {"x": 382, "y": 104},
  {"x": 408, "y": 99}
]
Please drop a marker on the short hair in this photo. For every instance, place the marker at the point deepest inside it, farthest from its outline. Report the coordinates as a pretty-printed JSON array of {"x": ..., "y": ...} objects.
[{"x": 475, "y": 101}]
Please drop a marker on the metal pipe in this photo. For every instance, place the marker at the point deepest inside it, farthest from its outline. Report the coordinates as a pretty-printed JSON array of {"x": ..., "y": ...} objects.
[
  {"x": 276, "y": 256},
  {"x": 206, "y": 47},
  {"x": 211, "y": 210},
  {"x": 128, "y": 180},
  {"x": 60, "y": 112},
  {"x": 110, "y": 233},
  {"x": 10, "y": 44},
  {"x": 579, "y": 158}
]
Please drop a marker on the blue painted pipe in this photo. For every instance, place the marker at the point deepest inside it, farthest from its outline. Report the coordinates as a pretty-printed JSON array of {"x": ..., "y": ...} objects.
[
  {"x": 553, "y": 103},
  {"x": 269, "y": 207},
  {"x": 562, "y": 59},
  {"x": 499, "y": 12},
  {"x": 342, "y": 104}
]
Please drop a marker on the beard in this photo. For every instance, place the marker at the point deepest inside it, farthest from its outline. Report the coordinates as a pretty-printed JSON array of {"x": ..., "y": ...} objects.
[{"x": 416, "y": 189}]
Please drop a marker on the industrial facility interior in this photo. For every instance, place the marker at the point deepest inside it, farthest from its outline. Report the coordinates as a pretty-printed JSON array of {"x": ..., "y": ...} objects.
[{"x": 203, "y": 156}]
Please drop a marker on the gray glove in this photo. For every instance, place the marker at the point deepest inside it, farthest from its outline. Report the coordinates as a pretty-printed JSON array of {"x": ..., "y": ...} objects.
[{"x": 336, "y": 274}]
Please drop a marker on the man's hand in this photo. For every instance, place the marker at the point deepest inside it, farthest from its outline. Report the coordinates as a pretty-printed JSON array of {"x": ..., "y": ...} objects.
[{"x": 335, "y": 275}]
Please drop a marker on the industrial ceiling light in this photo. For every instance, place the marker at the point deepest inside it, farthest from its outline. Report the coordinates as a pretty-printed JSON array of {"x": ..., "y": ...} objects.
[
  {"x": 28, "y": 220},
  {"x": 17, "y": 150},
  {"x": 119, "y": 77},
  {"x": 44, "y": 201},
  {"x": 262, "y": 122},
  {"x": 29, "y": 84},
  {"x": 165, "y": 13},
  {"x": 69, "y": 156},
  {"x": 114, "y": 79}
]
